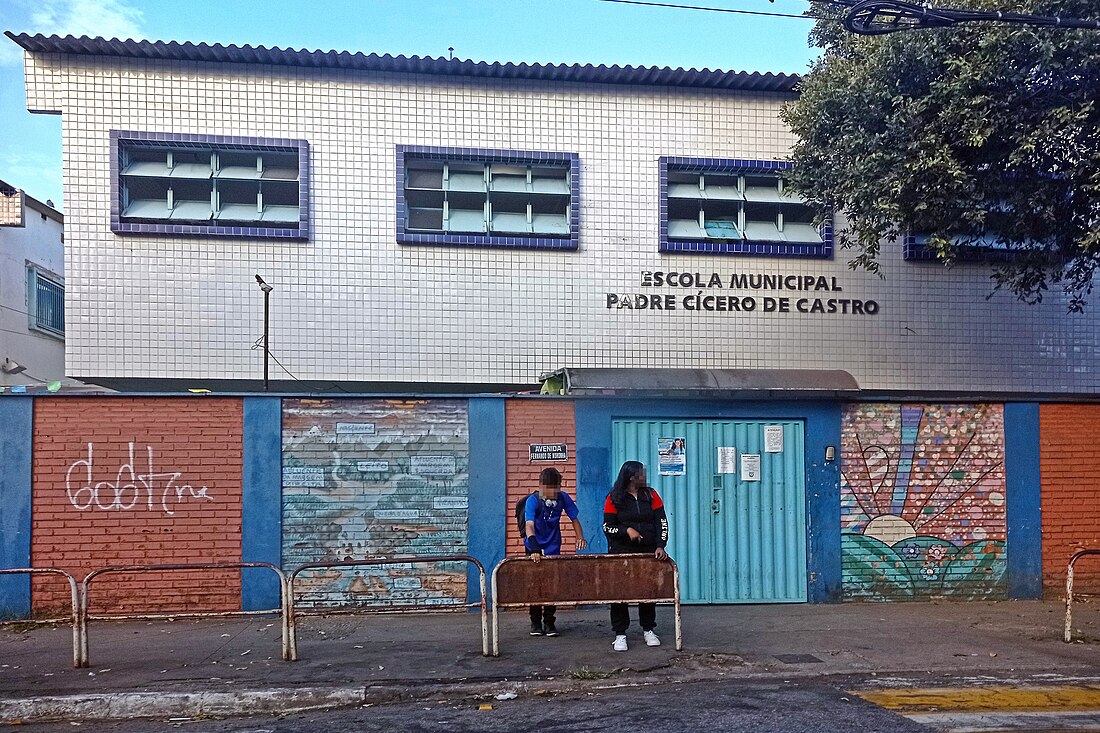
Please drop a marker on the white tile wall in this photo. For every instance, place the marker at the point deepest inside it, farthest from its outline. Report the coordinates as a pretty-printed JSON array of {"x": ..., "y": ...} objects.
[{"x": 351, "y": 304}]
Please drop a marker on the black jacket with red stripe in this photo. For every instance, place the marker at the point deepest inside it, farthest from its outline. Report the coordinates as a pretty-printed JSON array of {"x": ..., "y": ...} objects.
[{"x": 645, "y": 513}]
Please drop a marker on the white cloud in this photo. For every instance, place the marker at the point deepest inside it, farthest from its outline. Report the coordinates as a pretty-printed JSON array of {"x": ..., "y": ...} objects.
[{"x": 107, "y": 18}]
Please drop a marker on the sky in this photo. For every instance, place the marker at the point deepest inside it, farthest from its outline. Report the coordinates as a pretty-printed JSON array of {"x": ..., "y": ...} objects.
[{"x": 531, "y": 31}]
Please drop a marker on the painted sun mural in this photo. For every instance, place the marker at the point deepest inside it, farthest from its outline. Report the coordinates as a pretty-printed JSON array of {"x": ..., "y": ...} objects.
[{"x": 923, "y": 501}]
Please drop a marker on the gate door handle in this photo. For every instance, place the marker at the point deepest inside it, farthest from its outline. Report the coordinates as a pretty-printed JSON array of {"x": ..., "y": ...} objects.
[{"x": 715, "y": 505}]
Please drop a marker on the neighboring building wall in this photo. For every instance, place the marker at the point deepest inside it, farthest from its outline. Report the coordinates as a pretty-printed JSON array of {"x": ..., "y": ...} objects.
[
  {"x": 1070, "y": 468},
  {"x": 352, "y": 304},
  {"x": 30, "y": 234},
  {"x": 541, "y": 421},
  {"x": 376, "y": 477},
  {"x": 137, "y": 481},
  {"x": 923, "y": 501}
]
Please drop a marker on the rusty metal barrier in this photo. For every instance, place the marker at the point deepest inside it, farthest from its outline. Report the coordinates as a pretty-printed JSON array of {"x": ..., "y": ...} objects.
[
  {"x": 576, "y": 580},
  {"x": 74, "y": 620},
  {"x": 293, "y": 612},
  {"x": 1068, "y": 637},
  {"x": 85, "y": 616}
]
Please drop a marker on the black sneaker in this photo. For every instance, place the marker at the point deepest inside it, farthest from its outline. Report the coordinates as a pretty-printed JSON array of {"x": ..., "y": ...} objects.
[
  {"x": 536, "y": 628},
  {"x": 550, "y": 629}
]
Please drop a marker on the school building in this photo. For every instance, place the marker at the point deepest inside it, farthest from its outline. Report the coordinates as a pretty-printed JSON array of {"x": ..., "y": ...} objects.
[{"x": 443, "y": 240}]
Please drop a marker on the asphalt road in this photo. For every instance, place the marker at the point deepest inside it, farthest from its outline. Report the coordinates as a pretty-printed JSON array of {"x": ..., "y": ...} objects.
[{"x": 791, "y": 707}]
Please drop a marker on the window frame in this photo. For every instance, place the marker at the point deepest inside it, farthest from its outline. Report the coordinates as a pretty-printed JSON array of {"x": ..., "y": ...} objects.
[
  {"x": 915, "y": 250},
  {"x": 751, "y": 247},
  {"x": 34, "y": 275},
  {"x": 570, "y": 241},
  {"x": 296, "y": 231}
]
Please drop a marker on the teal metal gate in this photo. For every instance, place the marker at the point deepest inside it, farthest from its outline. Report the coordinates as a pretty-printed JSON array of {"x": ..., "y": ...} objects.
[{"x": 735, "y": 540}]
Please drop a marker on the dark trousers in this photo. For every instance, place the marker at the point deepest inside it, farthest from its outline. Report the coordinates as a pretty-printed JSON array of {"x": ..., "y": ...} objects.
[
  {"x": 620, "y": 617},
  {"x": 620, "y": 614},
  {"x": 543, "y": 615}
]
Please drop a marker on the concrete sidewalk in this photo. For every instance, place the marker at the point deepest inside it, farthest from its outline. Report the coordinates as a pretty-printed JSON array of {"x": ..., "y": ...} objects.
[{"x": 186, "y": 668}]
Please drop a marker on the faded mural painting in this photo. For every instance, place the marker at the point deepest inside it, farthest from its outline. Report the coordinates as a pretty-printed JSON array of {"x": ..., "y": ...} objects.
[
  {"x": 923, "y": 501},
  {"x": 376, "y": 478}
]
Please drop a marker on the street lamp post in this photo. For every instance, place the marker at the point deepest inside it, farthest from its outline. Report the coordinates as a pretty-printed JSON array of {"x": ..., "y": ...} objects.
[{"x": 267, "y": 324}]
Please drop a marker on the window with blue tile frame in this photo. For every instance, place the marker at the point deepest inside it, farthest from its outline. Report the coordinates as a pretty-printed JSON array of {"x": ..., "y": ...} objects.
[
  {"x": 46, "y": 301},
  {"x": 215, "y": 185},
  {"x": 476, "y": 197},
  {"x": 989, "y": 247},
  {"x": 726, "y": 206}
]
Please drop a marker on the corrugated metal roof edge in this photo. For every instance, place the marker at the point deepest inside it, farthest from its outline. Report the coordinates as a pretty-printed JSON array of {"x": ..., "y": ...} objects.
[{"x": 585, "y": 73}]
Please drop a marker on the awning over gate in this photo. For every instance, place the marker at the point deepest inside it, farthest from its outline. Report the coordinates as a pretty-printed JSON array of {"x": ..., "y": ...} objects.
[{"x": 708, "y": 383}]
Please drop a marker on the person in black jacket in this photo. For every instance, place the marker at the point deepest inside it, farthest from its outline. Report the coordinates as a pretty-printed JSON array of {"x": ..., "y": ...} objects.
[{"x": 634, "y": 521}]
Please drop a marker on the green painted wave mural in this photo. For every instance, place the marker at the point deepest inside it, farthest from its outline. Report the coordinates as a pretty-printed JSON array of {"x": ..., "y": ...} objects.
[{"x": 922, "y": 567}]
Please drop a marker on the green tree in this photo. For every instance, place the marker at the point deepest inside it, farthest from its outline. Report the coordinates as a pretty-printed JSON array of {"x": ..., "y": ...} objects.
[{"x": 979, "y": 132}]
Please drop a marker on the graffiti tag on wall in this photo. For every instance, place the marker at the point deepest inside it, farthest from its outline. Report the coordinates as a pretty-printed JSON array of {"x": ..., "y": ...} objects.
[
  {"x": 136, "y": 485},
  {"x": 923, "y": 501}
]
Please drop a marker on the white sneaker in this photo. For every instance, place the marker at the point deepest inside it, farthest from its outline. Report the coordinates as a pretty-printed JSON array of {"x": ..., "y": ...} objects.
[
  {"x": 620, "y": 643},
  {"x": 651, "y": 638}
]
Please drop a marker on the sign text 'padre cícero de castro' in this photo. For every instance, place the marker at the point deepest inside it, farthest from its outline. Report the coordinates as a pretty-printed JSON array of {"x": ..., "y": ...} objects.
[{"x": 706, "y": 300}]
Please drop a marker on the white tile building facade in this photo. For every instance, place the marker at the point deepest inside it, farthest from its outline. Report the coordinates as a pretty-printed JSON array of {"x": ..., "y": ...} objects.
[{"x": 351, "y": 304}]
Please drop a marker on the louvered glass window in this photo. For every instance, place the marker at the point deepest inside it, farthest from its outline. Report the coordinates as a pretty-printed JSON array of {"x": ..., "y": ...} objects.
[
  {"x": 208, "y": 185},
  {"x": 736, "y": 207},
  {"x": 497, "y": 199}
]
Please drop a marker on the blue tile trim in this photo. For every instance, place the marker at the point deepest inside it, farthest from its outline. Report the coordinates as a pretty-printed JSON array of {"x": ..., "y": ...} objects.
[
  {"x": 1023, "y": 503},
  {"x": 299, "y": 232},
  {"x": 487, "y": 495},
  {"x": 822, "y": 419},
  {"x": 916, "y": 250},
  {"x": 730, "y": 166},
  {"x": 16, "y": 443},
  {"x": 488, "y": 155},
  {"x": 261, "y": 501}
]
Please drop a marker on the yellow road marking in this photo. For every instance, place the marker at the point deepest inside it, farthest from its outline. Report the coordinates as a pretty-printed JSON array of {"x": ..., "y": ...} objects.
[{"x": 994, "y": 698}]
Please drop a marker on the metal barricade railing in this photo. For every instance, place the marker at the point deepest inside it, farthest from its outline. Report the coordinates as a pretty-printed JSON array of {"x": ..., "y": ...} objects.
[
  {"x": 1068, "y": 637},
  {"x": 292, "y": 612},
  {"x": 74, "y": 619},
  {"x": 84, "y": 615},
  {"x": 595, "y": 592}
]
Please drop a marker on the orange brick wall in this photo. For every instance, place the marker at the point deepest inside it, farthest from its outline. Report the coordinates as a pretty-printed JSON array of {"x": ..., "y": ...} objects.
[
  {"x": 546, "y": 420},
  {"x": 1070, "y": 469},
  {"x": 186, "y": 509}
]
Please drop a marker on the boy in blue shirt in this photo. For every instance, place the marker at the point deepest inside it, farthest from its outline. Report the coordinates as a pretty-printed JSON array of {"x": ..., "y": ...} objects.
[{"x": 542, "y": 515}]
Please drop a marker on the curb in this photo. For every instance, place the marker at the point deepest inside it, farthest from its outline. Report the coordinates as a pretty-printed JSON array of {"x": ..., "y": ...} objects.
[
  {"x": 130, "y": 705},
  {"x": 279, "y": 700},
  {"x": 282, "y": 700}
]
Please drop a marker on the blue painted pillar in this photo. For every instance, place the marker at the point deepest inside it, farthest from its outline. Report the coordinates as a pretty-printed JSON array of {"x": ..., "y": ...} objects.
[
  {"x": 16, "y": 442},
  {"x": 823, "y": 562},
  {"x": 262, "y": 501},
  {"x": 1023, "y": 507},
  {"x": 595, "y": 474},
  {"x": 488, "y": 488}
]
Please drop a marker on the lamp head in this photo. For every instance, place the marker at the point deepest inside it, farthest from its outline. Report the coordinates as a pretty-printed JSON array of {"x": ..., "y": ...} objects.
[
  {"x": 12, "y": 367},
  {"x": 263, "y": 286}
]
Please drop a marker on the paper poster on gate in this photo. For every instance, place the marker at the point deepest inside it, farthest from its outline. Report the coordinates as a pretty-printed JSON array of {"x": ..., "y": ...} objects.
[
  {"x": 671, "y": 456},
  {"x": 727, "y": 459},
  {"x": 773, "y": 438},
  {"x": 750, "y": 466}
]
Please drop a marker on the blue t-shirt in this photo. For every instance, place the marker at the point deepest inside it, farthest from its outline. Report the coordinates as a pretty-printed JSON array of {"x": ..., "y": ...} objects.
[{"x": 546, "y": 514}]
